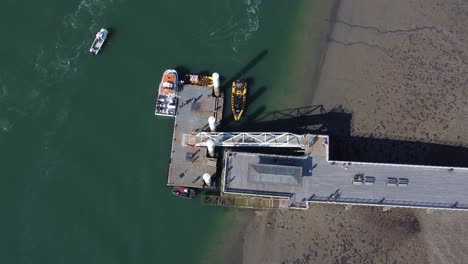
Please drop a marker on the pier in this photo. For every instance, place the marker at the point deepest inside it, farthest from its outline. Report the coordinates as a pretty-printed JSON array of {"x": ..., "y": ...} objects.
[
  {"x": 188, "y": 162},
  {"x": 304, "y": 177},
  {"x": 313, "y": 178}
]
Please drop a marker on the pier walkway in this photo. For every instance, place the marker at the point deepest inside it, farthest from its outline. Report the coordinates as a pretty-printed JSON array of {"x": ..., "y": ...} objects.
[
  {"x": 315, "y": 179},
  {"x": 246, "y": 139}
]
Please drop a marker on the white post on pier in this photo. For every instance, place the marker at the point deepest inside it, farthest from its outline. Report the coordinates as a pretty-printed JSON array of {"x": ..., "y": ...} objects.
[
  {"x": 212, "y": 123},
  {"x": 215, "y": 77},
  {"x": 210, "y": 146},
  {"x": 207, "y": 179}
]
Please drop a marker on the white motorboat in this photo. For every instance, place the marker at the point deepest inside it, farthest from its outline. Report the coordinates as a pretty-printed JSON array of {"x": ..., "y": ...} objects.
[
  {"x": 167, "y": 100},
  {"x": 99, "y": 41}
]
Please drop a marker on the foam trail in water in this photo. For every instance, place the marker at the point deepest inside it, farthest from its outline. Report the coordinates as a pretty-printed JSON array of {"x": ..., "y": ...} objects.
[
  {"x": 226, "y": 31},
  {"x": 70, "y": 43},
  {"x": 251, "y": 25},
  {"x": 87, "y": 10},
  {"x": 3, "y": 89},
  {"x": 252, "y": 16},
  {"x": 5, "y": 125},
  {"x": 54, "y": 64}
]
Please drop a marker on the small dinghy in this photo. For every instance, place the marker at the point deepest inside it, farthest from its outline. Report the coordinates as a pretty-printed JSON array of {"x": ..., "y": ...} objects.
[
  {"x": 183, "y": 192},
  {"x": 98, "y": 41}
]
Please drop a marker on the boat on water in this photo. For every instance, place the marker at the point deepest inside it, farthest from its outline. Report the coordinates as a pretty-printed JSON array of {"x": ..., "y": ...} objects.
[
  {"x": 239, "y": 97},
  {"x": 166, "y": 104},
  {"x": 183, "y": 192},
  {"x": 101, "y": 37}
]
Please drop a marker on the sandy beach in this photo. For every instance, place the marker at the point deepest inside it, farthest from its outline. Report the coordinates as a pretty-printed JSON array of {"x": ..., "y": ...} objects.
[
  {"x": 401, "y": 69},
  {"x": 335, "y": 234}
]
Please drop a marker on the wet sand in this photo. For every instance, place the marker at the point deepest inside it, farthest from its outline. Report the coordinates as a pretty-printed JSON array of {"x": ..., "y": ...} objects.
[
  {"x": 401, "y": 69},
  {"x": 332, "y": 234}
]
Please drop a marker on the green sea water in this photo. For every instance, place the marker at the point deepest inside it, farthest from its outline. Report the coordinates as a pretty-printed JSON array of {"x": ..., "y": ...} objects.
[{"x": 83, "y": 159}]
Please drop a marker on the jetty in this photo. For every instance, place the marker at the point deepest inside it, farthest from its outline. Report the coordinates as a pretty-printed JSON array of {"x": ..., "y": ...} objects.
[
  {"x": 303, "y": 176},
  {"x": 313, "y": 178},
  {"x": 196, "y": 105}
]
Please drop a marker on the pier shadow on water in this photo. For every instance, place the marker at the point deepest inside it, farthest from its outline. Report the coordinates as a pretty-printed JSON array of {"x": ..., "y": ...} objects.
[
  {"x": 336, "y": 123},
  {"x": 300, "y": 120},
  {"x": 244, "y": 70},
  {"x": 253, "y": 96},
  {"x": 182, "y": 70},
  {"x": 249, "y": 114},
  {"x": 252, "y": 93}
]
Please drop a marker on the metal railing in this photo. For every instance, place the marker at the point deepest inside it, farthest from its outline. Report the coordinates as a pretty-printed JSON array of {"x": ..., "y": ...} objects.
[{"x": 247, "y": 139}]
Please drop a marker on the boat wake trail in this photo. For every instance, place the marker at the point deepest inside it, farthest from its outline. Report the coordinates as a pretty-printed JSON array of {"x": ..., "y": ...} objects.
[
  {"x": 5, "y": 125},
  {"x": 44, "y": 97},
  {"x": 56, "y": 61},
  {"x": 71, "y": 43},
  {"x": 252, "y": 17},
  {"x": 221, "y": 32},
  {"x": 251, "y": 25},
  {"x": 87, "y": 10},
  {"x": 59, "y": 62},
  {"x": 75, "y": 33}
]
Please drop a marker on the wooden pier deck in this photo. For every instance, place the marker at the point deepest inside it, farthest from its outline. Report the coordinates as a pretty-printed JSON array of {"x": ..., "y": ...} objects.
[
  {"x": 315, "y": 179},
  {"x": 188, "y": 163}
]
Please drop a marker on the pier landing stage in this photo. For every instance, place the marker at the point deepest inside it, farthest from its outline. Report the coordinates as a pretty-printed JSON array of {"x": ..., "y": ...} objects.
[{"x": 188, "y": 163}]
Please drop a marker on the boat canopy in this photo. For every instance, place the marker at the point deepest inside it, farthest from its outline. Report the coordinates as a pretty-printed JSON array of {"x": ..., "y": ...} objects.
[{"x": 168, "y": 84}]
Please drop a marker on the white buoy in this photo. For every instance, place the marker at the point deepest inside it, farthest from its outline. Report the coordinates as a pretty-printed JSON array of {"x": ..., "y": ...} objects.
[
  {"x": 212, "y": 123},
  {"x": 210, "y": 146},
  {"x": 215, "y": 77},
  {"x": 207, "y": 179}
]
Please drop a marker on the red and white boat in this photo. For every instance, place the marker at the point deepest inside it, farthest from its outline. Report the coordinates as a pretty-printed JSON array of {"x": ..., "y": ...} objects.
[
  {"x": 166, "y": 104},
  {"x": 183, "y": 192}
]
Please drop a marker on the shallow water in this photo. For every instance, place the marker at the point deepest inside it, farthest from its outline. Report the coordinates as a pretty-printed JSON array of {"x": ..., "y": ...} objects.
[{"x": 84, "y": 160}]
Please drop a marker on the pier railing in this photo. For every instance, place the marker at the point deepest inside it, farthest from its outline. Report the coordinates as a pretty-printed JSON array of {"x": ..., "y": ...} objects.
[
  {"x": 244, "y": 201},
  {"x": 247, "y": 139}
]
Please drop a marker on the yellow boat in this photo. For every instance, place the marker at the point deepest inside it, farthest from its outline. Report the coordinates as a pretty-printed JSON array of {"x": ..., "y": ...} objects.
[{"x": 238, "y": 99}]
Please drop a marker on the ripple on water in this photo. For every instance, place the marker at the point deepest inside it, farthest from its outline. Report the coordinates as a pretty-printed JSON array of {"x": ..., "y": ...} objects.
[
  {"x": 57, "y": 63},
  {"x": 237, "y": 29},
  {"x": 5, "y": 125},
  {"x": 249, "y": 26},
  {"x": 86, "y": 13},
  {"x": 53, "y": 64}
]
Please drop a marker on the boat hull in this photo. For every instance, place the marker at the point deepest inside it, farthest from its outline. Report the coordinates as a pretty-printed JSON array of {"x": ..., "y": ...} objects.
[
  {"x": 98, "y": 42},
  {"x": 183, "y": 192},
  {"x": 167, "y": 99},
  {"x": 238, "y": 99}
]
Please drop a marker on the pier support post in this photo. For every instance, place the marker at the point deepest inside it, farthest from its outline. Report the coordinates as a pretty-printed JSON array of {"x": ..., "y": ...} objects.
[
  {"x": 212, "y": 123},
  {"x": 215, "y": 77},
  {"x": 207, "y": 179},
  {"x": 210, "y": 146}
]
